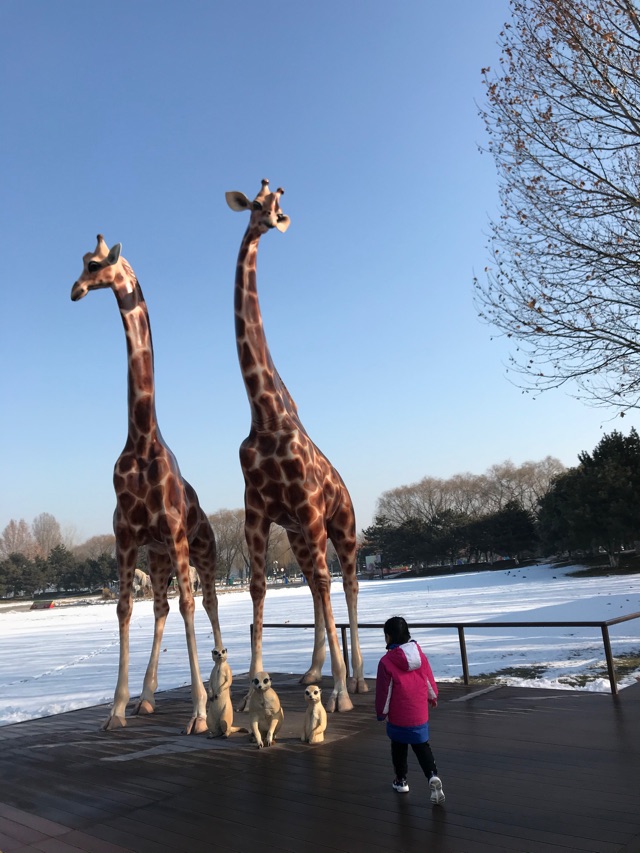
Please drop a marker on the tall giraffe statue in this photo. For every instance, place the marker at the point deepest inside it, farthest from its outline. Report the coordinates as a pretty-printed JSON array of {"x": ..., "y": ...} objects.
[
  {"x": 155, "y": 505},
  {"x": 288, "y": 480}
]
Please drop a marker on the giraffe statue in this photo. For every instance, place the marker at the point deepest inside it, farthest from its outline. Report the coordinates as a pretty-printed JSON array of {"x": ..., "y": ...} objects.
[
  {"x": 154, "y": 504},
  {"x": 288, "y": 480}
]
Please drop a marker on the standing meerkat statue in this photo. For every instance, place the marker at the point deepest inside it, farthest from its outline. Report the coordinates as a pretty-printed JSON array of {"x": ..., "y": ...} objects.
[
  {"x": 265, "y": 712},
  {"x": 220, "y": 709},
  {"x": 315, "y": 717}
]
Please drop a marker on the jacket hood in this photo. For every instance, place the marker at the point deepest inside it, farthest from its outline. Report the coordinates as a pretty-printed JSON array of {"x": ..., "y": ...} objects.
[{"x": 406, "y": 657}]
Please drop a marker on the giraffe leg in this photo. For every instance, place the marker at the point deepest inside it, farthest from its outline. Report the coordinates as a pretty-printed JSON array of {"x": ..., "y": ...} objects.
[
  {"x": 198, "y": 722},
  {"x": 342, "y": 533},
  {"x": 126, "y": 553},
  {"x": 202, "y": 550},
  {"x": 303, "y": 558},
  {"x": 339, "y": 699},
  {"x": 159, "y": 571},
  {"x": 257, "y": 536}
]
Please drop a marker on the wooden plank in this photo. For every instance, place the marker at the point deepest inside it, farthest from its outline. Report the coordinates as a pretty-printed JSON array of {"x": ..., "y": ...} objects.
[
  {"x": 55, "y": 845},
  {"x": 519, "y": 768},
  {"x": 25, "y": 834},
  {"x": 46, "y": 827}
]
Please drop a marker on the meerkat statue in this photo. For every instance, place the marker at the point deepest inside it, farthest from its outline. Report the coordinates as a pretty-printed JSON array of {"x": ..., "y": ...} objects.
[
  {"x": 265, "y": 712},
  {"x": 315, "y": 717},
  {"x": 219, "y": 708}
]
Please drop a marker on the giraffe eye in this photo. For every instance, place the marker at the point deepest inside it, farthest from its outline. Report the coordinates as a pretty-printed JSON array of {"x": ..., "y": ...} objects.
[{"x": 93, "y": 266}]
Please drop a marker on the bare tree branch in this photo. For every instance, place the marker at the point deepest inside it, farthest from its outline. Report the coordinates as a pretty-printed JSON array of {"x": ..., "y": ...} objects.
[{"x": 563, "y": 121}]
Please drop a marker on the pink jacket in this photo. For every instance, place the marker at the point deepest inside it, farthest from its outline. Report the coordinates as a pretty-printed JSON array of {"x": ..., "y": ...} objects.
[{"x": 404, "y": 686}]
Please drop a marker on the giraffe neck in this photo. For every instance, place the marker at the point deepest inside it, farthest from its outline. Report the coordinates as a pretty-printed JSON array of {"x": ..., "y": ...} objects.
[
  {"x": 143, "y": 424},
  {"x": 268, "y": 397}
]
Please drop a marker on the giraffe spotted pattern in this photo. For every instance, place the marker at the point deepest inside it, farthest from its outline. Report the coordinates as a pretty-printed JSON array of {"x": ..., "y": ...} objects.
[
  {"x": 288, "y": 480},
  {"x": 155, "y": 505}
]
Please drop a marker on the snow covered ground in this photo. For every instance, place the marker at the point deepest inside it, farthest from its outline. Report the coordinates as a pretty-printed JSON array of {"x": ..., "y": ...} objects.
[{"x": 65, "y": 658}]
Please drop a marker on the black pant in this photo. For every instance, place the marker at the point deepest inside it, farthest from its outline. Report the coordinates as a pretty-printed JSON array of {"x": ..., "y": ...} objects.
[{"x": 423, "y": 753}]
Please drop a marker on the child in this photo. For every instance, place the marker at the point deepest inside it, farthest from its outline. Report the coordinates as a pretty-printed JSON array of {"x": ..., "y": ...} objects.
[{"x": 405, "y": 687}]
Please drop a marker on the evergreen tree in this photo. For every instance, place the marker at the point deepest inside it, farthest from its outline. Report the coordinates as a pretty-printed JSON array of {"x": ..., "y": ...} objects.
[
  {"x": 597, "y": 504},
  {"x": 513, "y": 531},
  {"x": 22, "y": 575},
  {"x": 63, "y": 569}
]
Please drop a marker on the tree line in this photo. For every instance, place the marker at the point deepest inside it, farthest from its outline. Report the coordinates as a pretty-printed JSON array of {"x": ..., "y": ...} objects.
[
  {"x": 61, "y": 571},
  {"x": 34, "y": 559},
  {"x": 535, "y": 509}
]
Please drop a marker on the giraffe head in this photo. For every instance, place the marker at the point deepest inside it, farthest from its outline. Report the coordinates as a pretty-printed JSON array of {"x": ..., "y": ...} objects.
[
  {"x": 265, "y": 208},
  {"x": 102, "y": 268}
]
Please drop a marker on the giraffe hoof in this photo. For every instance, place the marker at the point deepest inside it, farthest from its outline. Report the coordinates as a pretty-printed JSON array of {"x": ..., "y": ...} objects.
[
  {"x": 144, "y": 707},
  {"x": 114, "y": 723},
  {"x": 357, "y": 685},
  {"x": 311, "y": 677},
  {"x": 196, "y": 726},
  {"x": 339, "y": 703},
  {"x": 344, "y": 703}
]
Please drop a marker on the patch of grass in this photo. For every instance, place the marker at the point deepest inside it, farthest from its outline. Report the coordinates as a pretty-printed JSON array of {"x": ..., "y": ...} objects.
[
  {"x": 627, "y": 663},
  {"x": 624, "y": 664},
  {"x": 598, "y": 566},
  {"x": 533, "y": 670},
  {"x": 604, "y": 572},
  {"x": 579, "y": 680}
]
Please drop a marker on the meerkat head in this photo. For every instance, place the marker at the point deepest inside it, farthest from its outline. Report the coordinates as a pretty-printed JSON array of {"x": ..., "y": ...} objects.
[
  {"x": 218, "y": 655},
  {"x": 312, "y": 694},
  {"x": 261, "y": 681}
]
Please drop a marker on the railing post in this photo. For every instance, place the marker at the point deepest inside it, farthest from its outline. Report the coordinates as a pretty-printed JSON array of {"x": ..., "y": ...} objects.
[
  {"x": 463, "y": 654},
  {"x": 251, "y": 636},
  {"x": 609, "y": 657},
  {"x": 345, "y": 648}
]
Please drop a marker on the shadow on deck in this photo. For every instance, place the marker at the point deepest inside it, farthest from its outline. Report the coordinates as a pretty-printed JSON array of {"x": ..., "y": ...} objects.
[{"x": 525, "y": 771}]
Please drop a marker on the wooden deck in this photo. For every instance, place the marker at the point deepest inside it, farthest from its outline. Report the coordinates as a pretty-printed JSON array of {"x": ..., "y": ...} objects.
[{"x": 524, "y": 771}]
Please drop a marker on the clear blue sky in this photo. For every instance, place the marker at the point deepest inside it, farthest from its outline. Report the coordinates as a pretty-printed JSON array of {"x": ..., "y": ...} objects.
[{"x": 133, "y": 119}]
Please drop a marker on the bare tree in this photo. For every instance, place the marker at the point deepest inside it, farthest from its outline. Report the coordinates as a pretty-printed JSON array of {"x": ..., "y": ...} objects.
[
  {"x": 523, "y": 484},
  {"x": 471, "y": 495},
  {"x": 69, "y": 535},
  {"x": 423, "y": 500},
  {"x": 466, "y": 494},
  {"x": 537, "y": 479},
  {"x": 279, "y": 553},
  {"x": 96, "y": 546},
  {"x": 17, "y": 539},
  {"x": 228, "y": 526},
  {"x": 47, "y": 534},
  {"x": 431, "y": 497},
  {"x": 563, "y": 119}
]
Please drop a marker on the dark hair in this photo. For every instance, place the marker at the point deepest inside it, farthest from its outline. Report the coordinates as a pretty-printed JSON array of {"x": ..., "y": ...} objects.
[{"x": 397, "y": 630}]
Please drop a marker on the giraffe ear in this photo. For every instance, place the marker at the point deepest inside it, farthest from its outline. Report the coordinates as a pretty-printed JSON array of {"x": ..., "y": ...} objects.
[
  {"x": 114, "y": 254},
  {"x": 237, "y": 201},
  {"x": 283, "y": 223}
]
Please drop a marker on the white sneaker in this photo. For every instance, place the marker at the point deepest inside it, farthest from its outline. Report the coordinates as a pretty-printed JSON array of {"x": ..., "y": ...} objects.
[
  {"x": 401, "y": 786},
  {"x": 437, "y": 794}
]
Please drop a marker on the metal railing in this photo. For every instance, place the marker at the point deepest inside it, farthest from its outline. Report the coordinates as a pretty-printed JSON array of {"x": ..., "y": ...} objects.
[{"x": 603, "y": 625}]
